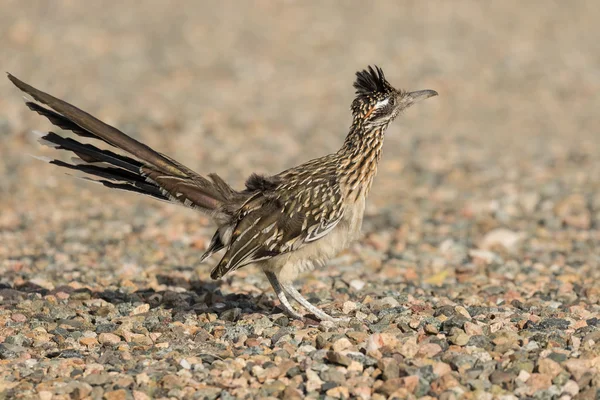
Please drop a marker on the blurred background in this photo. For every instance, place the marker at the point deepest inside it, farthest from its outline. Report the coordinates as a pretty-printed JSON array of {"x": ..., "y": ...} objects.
[{"x": 237, "y": 87}]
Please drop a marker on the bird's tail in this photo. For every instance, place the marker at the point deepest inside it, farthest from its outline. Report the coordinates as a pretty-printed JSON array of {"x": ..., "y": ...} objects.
[{"x": 143, "y": 170}]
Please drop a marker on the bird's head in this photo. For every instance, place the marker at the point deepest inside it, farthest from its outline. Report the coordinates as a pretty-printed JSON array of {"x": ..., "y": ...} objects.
[{"x": 377, "y": 102}]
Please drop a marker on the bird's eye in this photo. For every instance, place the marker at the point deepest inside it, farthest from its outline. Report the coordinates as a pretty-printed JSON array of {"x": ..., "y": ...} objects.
[{"x": 392, "y": 101}]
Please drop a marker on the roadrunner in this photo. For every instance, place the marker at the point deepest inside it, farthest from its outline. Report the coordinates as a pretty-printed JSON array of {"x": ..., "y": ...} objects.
[{"x": 286, "y": 223}]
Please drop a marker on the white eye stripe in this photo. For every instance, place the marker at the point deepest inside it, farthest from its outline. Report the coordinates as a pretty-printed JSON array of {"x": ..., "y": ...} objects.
[{"x": 382, "y": 103}]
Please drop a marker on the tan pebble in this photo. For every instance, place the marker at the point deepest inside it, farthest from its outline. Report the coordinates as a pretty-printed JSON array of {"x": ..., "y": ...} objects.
[
  {"x": 501, "y": 237},
  {"x": 75, "y": 285},
  {"x": 473, "y": 329},
  {"x": 362, "y": 392},
  {"x": 339, "y": 392},
  {"x": 131, "y": 337},
  {"x": 137, "y": 395},
  {"x": 414, "y": 323},
  {"x": 389, "y": 368},
  {"x": 446, "y": 382},
  {"x": 259, "y": 373},
  {"x": 62, "y": 295},
  {"x": 571, "y": 388},
  {"x": 84, "y": 389},
  {"x": 143, "y": 308},
  {"x": 577, "y": 367},
  {"x": 123, "y": 347},
  {"x": 292, "y": 394},
  {"x": 441, "y": 318},
  {"x": 272, "y": 372},
  {"x": 341, "y": 344},
  {"x": 575, "y": 342},
  {"x": 535, "y": 318},
  {"x": 390, "y": 386},
  {"x": 429, "y": 349},
  {"x": 523, "y": 376},
  {"x": 431, "y": 329},
  {"x": 17, "y": 317},
  {"x": 252, "y": 342},
  {"x": 483, "y": 256},
  {"x": 45, "y": 395},
  {"x": 142, "y": 379},
  {"x": 361, "y": 316},
  {"x": 390, "y": 341},
  {"x": 463, "y": 311},
  {"x": 409, "y": 348},
  {"x": 88, "y": 341},
  {"x": 357, "y": 337},
  {"x": 127, "y": 335},
  {"x": 129, "y": 285},
  {"x": 496, "y": 327},
  {"x": 441, "y": 368},
  {"x": 402, "y": 393},
  {"x": 108, "y": 338},
  {"x": 549, "y": 367},
  {"x": 313, "y": 382},
  {"x": 389, "y": 302},
  {"x": 185, "y": 364},
  {"x": 162, "y": 345},
  {"x": 374, "y": 343},
  {"x": 51, "y": 299},
  {"x": 538, "y": 382},
  {"x": 461, "y": 339},
  {"x": 580, "y": 324},
  {"x": 355, "y": 366},
  {"x": 348, "y": 307},
  {"x": 120, "y": 394}
]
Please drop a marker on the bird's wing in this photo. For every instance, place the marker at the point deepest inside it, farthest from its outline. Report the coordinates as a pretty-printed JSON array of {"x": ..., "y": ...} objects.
[{"x": 270, "y": 226}]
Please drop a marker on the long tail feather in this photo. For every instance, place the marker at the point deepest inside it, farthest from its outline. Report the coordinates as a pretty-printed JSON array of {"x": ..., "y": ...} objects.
[
  {"x": 87, "y": 125},
  {"x": 90, "y": 153},
  {"x": 147, "y": 171}
]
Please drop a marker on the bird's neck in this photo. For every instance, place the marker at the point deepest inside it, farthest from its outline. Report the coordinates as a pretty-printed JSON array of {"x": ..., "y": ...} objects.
[{"x": 359, "y": 157}]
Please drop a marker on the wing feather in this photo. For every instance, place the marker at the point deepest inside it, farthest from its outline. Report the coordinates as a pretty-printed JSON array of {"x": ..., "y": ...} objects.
[{"x": 269, "y": 226}]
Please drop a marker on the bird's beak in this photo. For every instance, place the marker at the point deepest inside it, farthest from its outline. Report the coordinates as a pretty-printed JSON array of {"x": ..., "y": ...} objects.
[{"x": 419, "y": 95}]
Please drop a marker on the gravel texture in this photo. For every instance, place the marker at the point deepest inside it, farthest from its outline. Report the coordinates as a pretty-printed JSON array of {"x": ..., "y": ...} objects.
[{"x": 478, "y": 274}]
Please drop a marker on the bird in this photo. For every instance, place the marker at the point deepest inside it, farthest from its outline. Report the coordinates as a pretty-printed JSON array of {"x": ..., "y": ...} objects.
[{"x": 286, "y": 224}]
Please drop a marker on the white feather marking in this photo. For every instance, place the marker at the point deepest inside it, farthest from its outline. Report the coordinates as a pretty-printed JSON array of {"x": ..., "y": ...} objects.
[
  {"x": 85, "y": 178},
  {"x": 47, "y": 143},
  {"x": 256, "y": 221},
  {"x": 37, "y": 134},
  {"x": 41, "y": 158},
  {"x": 225, "y": 234},
  {"x": 171, "y": 178},
  {"x": 268, "y": 228},
  {"x": 79, "y": 161},
  {"x": 316, "y": 233},
  {"x": 382, "y": 103}
]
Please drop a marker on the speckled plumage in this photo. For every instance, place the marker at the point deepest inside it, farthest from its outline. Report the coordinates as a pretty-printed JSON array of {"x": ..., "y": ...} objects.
[{"x": 287, "y": 223}]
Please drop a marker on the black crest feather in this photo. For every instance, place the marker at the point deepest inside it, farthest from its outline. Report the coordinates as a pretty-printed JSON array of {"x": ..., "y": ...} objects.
[{"x": 370, "y": 81}]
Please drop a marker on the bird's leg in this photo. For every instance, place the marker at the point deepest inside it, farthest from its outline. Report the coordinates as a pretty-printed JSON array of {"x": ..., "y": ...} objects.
[
  {"x": 285, "y": 304},
  {"x": 291, "y": 291}
]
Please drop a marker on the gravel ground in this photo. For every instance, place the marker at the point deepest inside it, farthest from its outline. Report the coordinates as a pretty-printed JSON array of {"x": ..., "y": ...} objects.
[{"x": 478, "y": 273}]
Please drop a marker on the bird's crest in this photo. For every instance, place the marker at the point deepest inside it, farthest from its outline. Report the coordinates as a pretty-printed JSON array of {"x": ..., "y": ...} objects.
[{"x": 371, "y": 81}]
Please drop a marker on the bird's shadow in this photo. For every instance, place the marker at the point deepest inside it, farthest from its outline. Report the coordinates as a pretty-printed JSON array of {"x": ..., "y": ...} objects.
[{"x": 190, "y": 297}]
